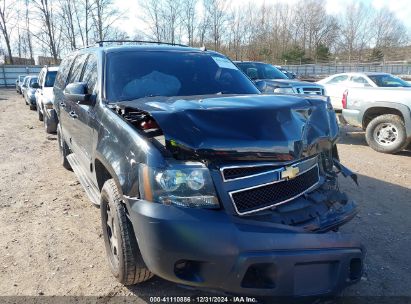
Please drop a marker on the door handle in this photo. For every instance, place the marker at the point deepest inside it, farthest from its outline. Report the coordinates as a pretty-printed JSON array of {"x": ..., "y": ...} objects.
[
  {"x": 73, "y": 114},
  {"x": 62, "y": 104}
]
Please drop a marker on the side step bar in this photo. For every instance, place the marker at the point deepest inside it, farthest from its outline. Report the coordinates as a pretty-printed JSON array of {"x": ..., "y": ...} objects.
[{"x": 92, "y": 192}]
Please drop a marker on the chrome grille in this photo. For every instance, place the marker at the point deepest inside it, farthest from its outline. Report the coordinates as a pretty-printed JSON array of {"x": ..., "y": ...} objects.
[
  {"x": 278, "y": 192},
  {"x": 310, "y": 90}
]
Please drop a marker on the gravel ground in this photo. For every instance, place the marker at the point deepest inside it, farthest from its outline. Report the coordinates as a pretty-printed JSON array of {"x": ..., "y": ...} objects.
[{"x": 50, "y": 235}]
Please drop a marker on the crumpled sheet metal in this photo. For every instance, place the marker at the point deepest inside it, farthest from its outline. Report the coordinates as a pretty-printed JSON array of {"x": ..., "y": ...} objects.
[{"x": 275, "y": 127}]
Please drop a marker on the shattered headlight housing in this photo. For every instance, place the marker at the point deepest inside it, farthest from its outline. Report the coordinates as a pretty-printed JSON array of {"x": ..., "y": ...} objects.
[{"x": 183, "y": 185}]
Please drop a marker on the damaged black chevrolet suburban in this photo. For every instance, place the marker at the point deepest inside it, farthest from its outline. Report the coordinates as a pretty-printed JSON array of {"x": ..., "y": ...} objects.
[{"x": 201, "y": 179}]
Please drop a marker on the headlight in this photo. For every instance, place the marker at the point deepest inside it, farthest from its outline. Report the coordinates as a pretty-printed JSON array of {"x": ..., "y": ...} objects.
[
  {"x": 184, "y": 185},
  {"x": 284, "y": 90}
]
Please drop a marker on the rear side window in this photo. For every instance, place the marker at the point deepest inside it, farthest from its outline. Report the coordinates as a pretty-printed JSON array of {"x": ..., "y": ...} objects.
[
  {"x": 359, "y": 79},
  {"x": 337, "y": 79},
  {"x": 77, "y": 68},
  {"x": 63, "y": 72},
  {"x": 90, "y": 73}
]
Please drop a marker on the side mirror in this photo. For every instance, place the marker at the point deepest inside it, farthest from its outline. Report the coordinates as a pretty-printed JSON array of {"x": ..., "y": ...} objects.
[
  {"x": 35, "y": 85},
  {"x": 261, "y": 85},
  {"x": 77, "y": 92}
]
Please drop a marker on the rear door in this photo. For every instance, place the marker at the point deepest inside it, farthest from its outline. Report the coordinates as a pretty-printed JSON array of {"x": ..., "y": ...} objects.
[{"x": 68, "y": 117}]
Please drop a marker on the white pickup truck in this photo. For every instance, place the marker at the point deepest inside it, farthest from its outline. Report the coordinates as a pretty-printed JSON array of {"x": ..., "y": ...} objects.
[{"x": 384, "y": 114}]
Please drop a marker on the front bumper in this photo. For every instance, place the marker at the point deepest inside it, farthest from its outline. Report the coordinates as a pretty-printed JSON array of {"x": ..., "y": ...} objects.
[{"x": 210, "y": 249}]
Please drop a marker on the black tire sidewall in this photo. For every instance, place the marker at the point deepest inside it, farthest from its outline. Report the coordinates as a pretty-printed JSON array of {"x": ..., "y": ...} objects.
[
  {"x": 107, "y": 199},
  {"x": 388, "y": 118}
]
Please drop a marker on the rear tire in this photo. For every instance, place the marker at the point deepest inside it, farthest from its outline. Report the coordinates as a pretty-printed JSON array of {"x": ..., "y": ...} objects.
[
  {"x": 386, "y": 134},
  {"x": 63, "y": 149},
  {"x": 125, "y": 260}
]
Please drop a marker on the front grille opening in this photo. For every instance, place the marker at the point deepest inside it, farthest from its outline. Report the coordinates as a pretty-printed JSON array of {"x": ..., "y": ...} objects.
[
  {"x": 233, "y": 173},
  {"x": 188, "y": 270},
  {"x": 355, "y": 269},
  {"x": 261, "y": 275},
  {"x": 276, "y": 193}
]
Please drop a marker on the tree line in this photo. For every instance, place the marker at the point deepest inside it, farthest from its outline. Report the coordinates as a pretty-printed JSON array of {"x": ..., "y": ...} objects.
[
  {"x": 275, "y": 32},
  {"x": 53, "y": 27}
]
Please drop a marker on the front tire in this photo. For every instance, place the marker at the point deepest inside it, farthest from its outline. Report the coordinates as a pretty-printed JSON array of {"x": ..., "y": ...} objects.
[
  {"x": 125, "y": 260},
  {"x": 63, "y": 149},
  {"x": 386, "y": 134}
]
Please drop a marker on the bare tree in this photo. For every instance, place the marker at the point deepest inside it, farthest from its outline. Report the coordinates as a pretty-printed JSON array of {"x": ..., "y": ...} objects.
[
  {"x": 48, "y": 29},
  {"x": 189, "y": 18},
  {"x": 105, "y": 15},
  {"x": 388, "y": 30},
  {"x": 68, "y": 21},
  {"x": 28, "y": 30},
  {"x": 355, "y": 29},
  {"x": 216, "y": 12},
  {"x": 6, "y": 16}
]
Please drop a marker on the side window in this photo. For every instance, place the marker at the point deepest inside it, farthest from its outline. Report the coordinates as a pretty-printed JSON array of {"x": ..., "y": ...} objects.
[
  {"x": 76, "y": 69},
  {"x": 90, "y": 73},
  {"x": 63, "y": 72},
  {"x": 337, "y": 79},
  {"x": 359, "y": 79}
]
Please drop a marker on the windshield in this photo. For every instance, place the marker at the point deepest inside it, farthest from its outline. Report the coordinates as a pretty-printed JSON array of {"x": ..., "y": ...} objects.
[
  {"x": 387, "y": 80},
  {"x": 137, "y": 74},
  {"x": 50, "y": 77},
  {"x": 256, "y": 70}
]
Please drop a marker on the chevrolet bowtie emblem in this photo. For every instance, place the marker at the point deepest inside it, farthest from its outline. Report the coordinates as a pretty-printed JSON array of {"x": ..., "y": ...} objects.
[{"x": 290, "y": 172}]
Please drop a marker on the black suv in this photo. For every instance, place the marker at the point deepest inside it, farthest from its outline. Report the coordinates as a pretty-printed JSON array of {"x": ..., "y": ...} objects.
[{"x": 201, "y": 179}]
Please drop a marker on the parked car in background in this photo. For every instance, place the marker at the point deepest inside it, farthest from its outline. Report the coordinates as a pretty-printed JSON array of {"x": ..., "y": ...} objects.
[
  {"x": 44, "y": 98},
  {"x": 269, "y": 79},
  {"x": 200, "y": 178},
  {"x": 335, "y": 85},
  {"x": 19, "y": 83},
  {"x": 24, "y": 84},
  {"x": 30, "y": 91},
  {"x": 289, "y": 74},
  {"x": 384, "y": 114}
]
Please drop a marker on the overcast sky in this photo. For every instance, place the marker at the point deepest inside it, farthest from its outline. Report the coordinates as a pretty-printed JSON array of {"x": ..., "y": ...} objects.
[{"x": 402, "y": 8}]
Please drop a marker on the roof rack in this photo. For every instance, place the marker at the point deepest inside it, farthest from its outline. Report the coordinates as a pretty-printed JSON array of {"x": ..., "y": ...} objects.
[{"x": 102, "y": 42}]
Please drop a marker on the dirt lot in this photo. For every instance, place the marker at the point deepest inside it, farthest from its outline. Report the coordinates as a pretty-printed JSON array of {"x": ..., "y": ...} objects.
[{"x": 50, "y": 238}]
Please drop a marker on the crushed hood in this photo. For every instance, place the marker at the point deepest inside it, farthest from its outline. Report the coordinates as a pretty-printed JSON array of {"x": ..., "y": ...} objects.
[{"x": 275, "y": 127}]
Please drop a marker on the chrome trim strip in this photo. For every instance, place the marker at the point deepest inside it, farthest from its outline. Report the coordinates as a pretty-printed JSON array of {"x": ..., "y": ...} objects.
[
  {"x": 283, "y": 165},
  {"x": 271, "y": 183}
]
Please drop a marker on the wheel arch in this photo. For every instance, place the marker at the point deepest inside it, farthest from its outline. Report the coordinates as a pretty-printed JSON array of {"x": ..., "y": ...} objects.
[
  {"x": 104, "y": 172},
  {"x": 381, "y": 108}
]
